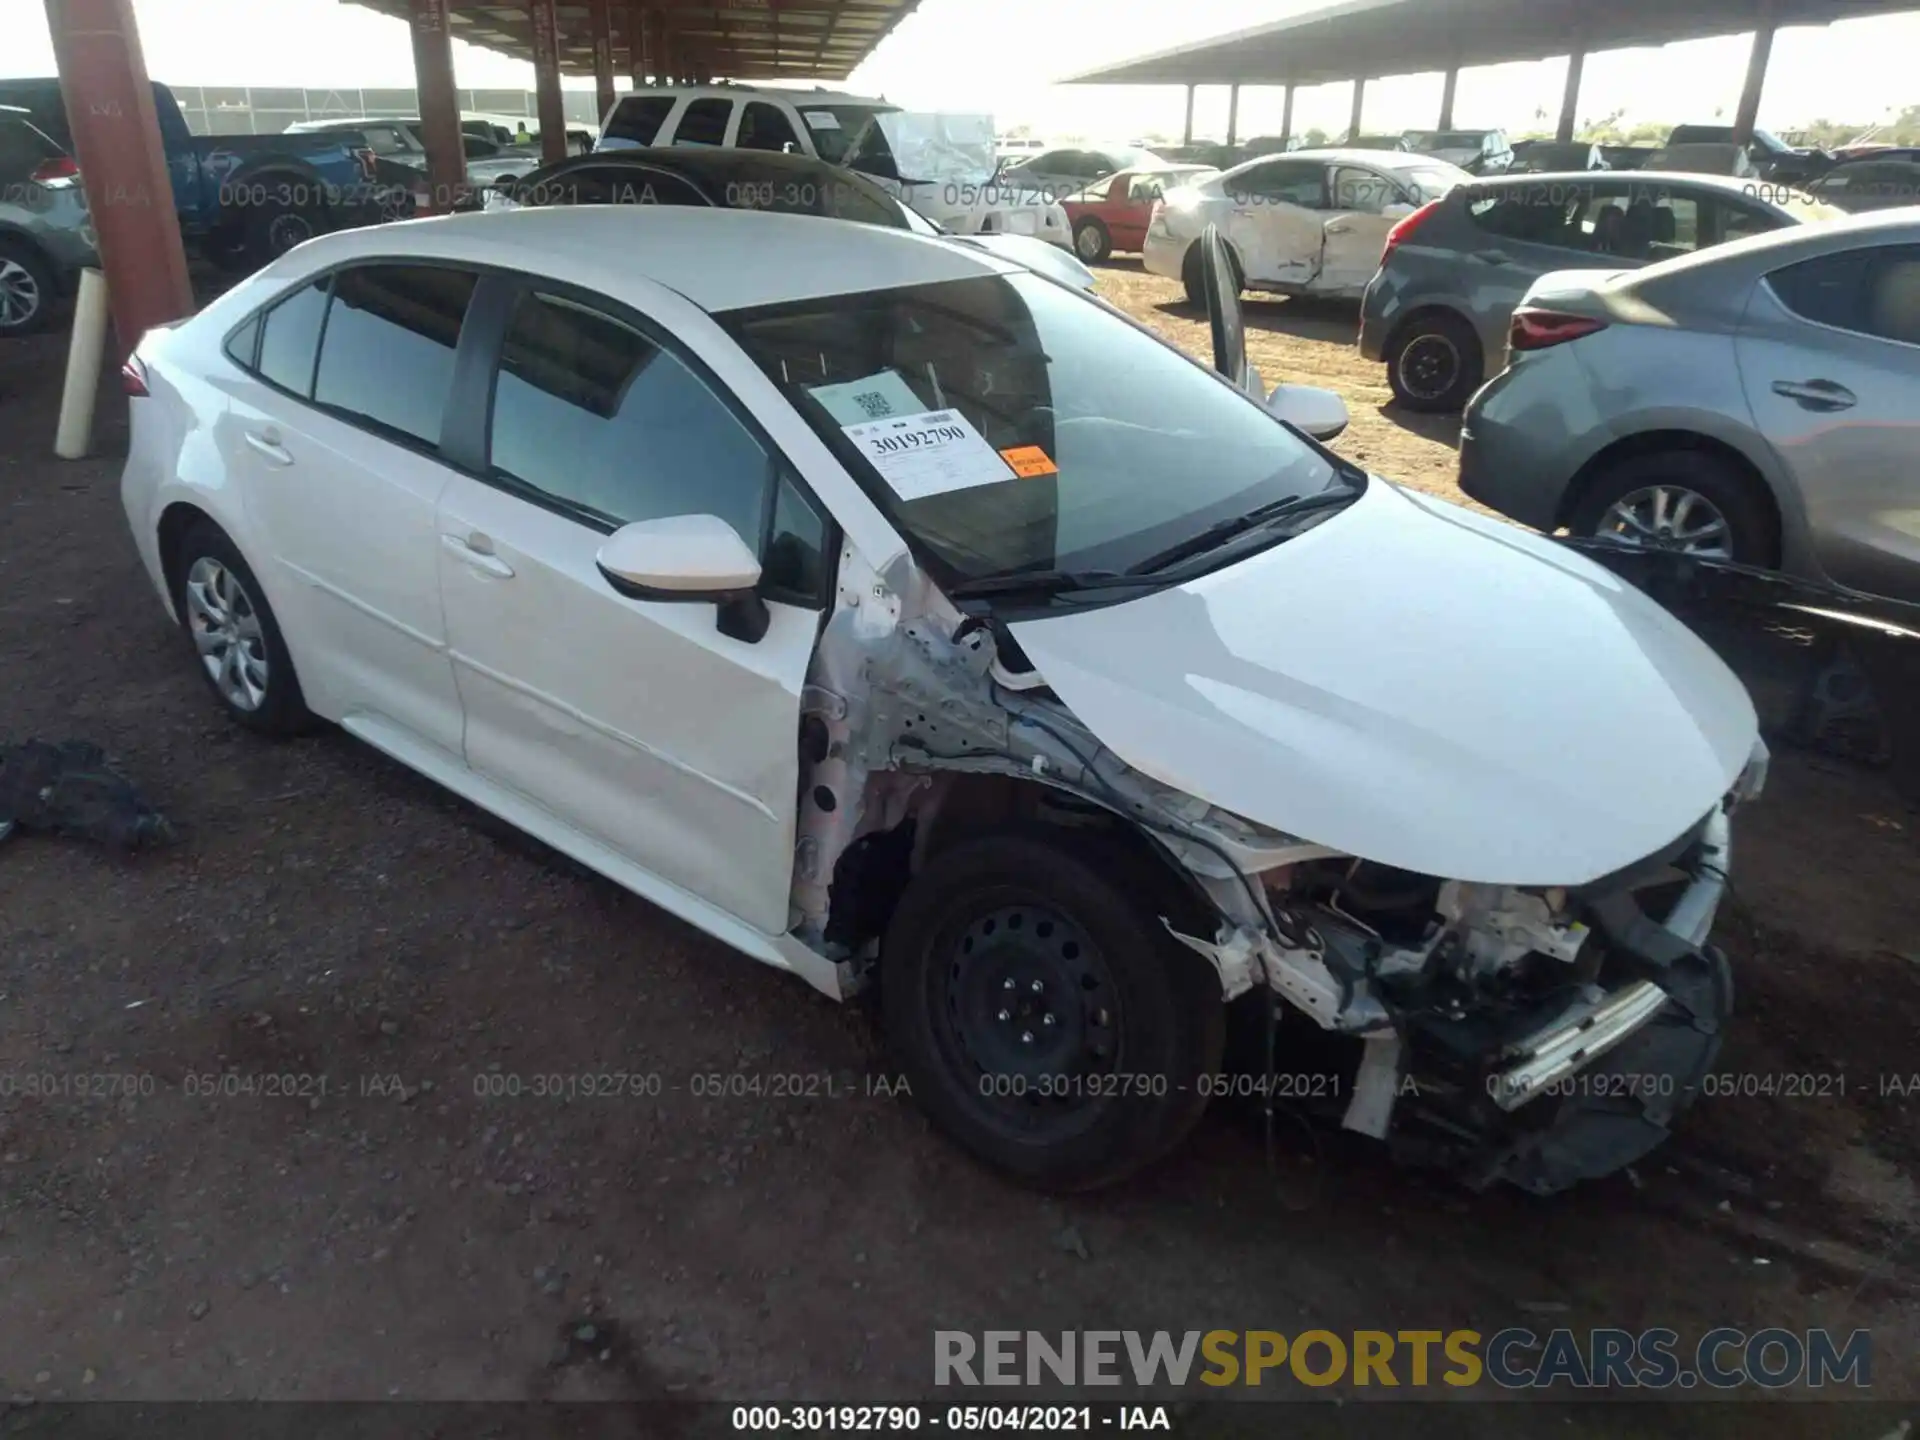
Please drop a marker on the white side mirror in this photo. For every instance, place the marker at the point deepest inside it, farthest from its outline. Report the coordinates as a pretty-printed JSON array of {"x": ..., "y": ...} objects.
[
  {"x": 682, "y": 557},
  {"x": 1320, "y": 413}
]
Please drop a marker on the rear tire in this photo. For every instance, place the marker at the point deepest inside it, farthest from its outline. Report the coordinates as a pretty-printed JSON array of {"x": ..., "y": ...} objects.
[
  {"x": 1190, "y": 275},
  {"x": 238, "y": 647},
  {"x": 280, "y": 222},
  {"x": 1091, "y": 241},
  {"x": 1630, "y": 490},
  {"x": 26, "y": 288},
  {"x": 1435, "y": 364},
  {"x": 1042, "y": 1015}
]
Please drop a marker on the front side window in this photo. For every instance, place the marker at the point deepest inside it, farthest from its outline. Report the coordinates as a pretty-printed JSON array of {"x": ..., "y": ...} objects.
[
  {"x": 290, "y": 339},
  {"x": 1051, "y": 432},
  {"x": 704, "y": 123},
  {"x": 593, "y": 418},
  {"x": 386, "y": 355}
]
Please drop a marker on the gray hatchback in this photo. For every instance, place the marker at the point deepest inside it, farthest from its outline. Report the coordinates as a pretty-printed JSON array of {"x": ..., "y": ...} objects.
[
  {"x": 45, "y": 235},
  {"x": 1437, "y": 310}
]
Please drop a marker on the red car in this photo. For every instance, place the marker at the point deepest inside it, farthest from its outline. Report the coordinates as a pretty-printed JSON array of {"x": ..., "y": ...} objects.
[{"x": 1112, "y": 214}]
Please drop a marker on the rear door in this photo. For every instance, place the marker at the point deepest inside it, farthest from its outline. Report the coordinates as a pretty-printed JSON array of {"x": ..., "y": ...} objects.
[
  {"x": 1356, "y": 230},
  {"x": 637, "y": 723},
  {"x": 1830, "y": 359},
  {"x": 1277, "y": 220},
  {"x": 340, "y": 469}
]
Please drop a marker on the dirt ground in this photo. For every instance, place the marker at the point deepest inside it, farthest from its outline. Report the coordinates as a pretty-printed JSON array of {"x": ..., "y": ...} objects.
[{"x": 327, "y": 916}]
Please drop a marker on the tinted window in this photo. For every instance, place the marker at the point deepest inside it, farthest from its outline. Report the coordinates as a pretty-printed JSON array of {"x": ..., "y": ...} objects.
[
  {"x": 290, "y": 337},
  {"x": 590, "y": 413},
  {"x": 22, "y": 148},
  {"x": 386, "y": 139},
  {"x": 1295, "y": 182},
  {"x": 638, "y": 119},
  {"x": 611, "y": 184},
  {"x": 796, "y": 552},
  {"x": 764, "y": 127},
  {"x": 704, "y": 123},
  {"x": 387, "y": 355},
  {"x": 1870, "y": 292}
]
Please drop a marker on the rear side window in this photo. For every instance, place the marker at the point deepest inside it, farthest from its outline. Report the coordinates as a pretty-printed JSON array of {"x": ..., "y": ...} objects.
[
  {"x": 386, "y": 357},
  {"x": 23, "y": 149},
  {"x": 1290, "y": 182},
  {"x": 765, "y": 127},
  {"x": 289, "y": 338},
  {"x": 1869, "y": 292},
  {"x": 638, "y": 118},
  {"x": 244, "y": 343},
  {"x": 591, "y": 416},
  {"x": 704, "y": 123}
]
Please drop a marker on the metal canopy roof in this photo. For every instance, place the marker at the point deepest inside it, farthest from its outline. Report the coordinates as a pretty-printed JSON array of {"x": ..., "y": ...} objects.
[
  {"x": 737, "y": 39},
  {"x": 1371, "y": 38}
]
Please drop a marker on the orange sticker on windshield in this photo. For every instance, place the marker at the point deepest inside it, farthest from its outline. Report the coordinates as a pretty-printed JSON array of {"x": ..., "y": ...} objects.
[{"x": 1028, "y": 461}]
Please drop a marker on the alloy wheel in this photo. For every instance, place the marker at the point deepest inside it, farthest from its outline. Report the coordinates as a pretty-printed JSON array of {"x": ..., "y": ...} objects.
[
  {"x": 226, "y": 631},
  {"x": 1668, "y": 517},
  {"x": 19, "y": 294},
  {"x": 288, "y": 230},
  {"x": 1088, "y": 242}
]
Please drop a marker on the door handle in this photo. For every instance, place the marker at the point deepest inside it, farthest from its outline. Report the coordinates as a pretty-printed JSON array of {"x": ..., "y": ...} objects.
[
  {"x": 1820, "y": 395},
  {"x": 267, "y": 443},
  {"x": 470, "y": 555}
]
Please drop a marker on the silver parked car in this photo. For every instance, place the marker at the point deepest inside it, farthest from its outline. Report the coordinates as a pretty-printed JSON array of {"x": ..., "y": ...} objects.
[
  {"x": 46, "y": 236},
  {"x": 1759, "y": 403},
  {"x": 1437, "y": 310}
]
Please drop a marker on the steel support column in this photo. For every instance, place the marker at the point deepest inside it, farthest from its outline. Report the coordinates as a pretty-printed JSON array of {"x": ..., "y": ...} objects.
[
  {"x": 1233, "y": 114},
  {"x": 663, "y": 56},
  {"x": 1748, "y": 115},
  {"x": 639, "y": 41},
  {"x": 439, "y": 104},
  {"x": 1189, "y": 129},
  {"x": 551, "y": 106},
  {"x": 116, "y": 139},
  {"x": 1359, "y": 104},
  {"x": 1286, "y": 117},
  {"x": 1448, "y": 89},
  {"x": 600, "y": 18},
  {"x": 1570, "y": 99}
]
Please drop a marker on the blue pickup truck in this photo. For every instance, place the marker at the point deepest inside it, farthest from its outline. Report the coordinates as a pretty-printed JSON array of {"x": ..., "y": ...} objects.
[{"x": 247, "y": 199}]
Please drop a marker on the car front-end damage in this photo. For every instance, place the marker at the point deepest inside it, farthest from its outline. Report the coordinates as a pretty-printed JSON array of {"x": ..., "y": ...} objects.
[{"x": 1535, "y": 1034}]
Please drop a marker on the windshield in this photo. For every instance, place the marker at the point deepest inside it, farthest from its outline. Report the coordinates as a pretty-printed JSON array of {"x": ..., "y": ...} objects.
[
  {"x": 834, "y": 128},
  {"x": 912, "y": 146},
  {"x": 1007, "y": 424}
]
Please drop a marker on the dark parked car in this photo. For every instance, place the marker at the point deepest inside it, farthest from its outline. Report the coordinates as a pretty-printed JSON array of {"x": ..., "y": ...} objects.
[
  {"x": 244, "y": 199},
  {"x": 1628, "y": 157},
  {"x": 1882, "y": 180},
  {"x": 1436, "y": 312},
  {"x": 1772, "y": 157},
  {"x": 45, "y": 235},
  {"x": 1540, "y": 157}
]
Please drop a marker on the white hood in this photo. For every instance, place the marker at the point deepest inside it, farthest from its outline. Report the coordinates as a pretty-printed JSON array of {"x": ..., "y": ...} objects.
[{"x": 1415, "y": 685}]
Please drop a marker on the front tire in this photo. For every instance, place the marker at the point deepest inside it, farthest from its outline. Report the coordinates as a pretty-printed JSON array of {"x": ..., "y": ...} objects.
[
  {"x": 1092, "y": 242},
  {"x": 279, "y": 223},
  {"x": 26, "y": 288},
  {"x": 237, "y": 643},
  {"x": 1690, "y": 501},
  {"x": 1041, "y": 1013},
  {"x": 1435, "y": 364}
]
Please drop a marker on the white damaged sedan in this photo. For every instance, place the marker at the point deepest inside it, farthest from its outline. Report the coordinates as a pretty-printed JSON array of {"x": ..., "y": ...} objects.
[{"x": 912, "y": 622}]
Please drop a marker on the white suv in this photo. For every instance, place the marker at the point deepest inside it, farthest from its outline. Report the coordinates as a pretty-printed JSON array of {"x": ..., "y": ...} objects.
[{"x": 829, "y": 124}]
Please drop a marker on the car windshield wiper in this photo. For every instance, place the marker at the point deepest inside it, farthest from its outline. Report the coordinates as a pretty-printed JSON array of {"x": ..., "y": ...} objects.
[
  {"x": 1045, "y": 582},
  {"x": 1217, "y": 534}
]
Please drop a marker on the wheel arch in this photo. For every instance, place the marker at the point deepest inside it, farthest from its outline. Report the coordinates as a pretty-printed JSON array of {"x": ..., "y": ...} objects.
[
  {"x": 1428, "y": 307},
  {"x": 1668, "y": 440}
]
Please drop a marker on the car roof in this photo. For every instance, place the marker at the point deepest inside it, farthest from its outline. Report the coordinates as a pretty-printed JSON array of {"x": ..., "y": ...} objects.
[
  {"x": 796, "y": 98},
  {"x": 1731, "y": 184},
  {"x": 719, "y": 259}
]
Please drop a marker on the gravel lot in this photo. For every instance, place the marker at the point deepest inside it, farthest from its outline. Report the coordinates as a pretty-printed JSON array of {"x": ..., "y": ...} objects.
[{"x": 327, "y": 915}]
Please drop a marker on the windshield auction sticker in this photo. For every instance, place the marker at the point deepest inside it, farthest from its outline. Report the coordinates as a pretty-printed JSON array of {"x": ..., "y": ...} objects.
[
  {"x": 877, "y": 397},
  {"x": 932, "y": 453}
]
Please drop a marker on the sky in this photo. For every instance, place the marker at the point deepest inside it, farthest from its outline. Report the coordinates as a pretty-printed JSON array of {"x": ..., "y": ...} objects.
[{"x": 1004, "y": 55}]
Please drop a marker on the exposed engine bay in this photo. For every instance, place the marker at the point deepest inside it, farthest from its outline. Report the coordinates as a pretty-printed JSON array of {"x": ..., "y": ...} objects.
[{"x": 1540, "y": 1036}]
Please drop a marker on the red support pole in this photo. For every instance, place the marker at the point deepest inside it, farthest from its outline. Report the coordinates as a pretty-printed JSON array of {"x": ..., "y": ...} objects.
[
  {"x": 546, "y": 80},
  {"x": 439, "y": 104},
  {"x": 116, "y": 139},
  {"x": 601, "y": 13}
]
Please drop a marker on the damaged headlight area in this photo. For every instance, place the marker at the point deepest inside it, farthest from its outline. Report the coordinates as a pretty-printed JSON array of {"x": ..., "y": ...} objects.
[{"x": 1540, "y": 1036}]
